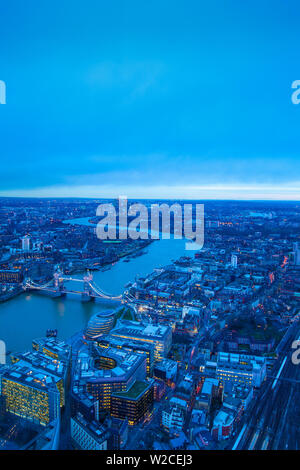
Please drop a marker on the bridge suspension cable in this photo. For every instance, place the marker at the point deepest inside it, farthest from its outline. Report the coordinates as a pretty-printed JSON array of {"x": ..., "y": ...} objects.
[
  {"x": 102, "y": 293},
  {"x": 94, "y": 287},
  {"x": 33, "y": 285}
]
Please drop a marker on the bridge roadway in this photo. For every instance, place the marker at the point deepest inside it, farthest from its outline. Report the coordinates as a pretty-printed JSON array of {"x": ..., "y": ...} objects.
[
  {"x": 272, "y": 422},
  {"x": 90, "y": 288}
]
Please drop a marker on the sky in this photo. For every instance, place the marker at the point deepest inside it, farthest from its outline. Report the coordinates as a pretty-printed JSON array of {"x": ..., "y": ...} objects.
[{"x": 162, "y": 99}]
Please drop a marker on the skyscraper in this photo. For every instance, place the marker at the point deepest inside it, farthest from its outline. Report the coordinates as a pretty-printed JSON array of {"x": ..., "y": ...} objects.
[
  {"x": 296, "y": 251},
  {"x": 234, "y": 261},
  {"x": 26, "y": 243}
]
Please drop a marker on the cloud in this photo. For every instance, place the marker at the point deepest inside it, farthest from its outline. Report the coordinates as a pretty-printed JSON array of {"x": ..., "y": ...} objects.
[{"x": 233, "y": 192}]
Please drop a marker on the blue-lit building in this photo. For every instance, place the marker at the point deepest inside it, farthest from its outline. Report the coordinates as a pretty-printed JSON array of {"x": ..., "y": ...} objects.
[
  {"x": 158, "y": 335},
  {"x": 87, "y": 435},
  {"x": 133, "y": 346},
  {"x": 103, "y": 371},
  {"x": 30, "y": 393},
  {"x": 134, "y": 404},
  {"x": 100, "y": 324}
]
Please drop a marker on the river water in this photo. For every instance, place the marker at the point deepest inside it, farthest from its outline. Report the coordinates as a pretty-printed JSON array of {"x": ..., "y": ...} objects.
[{"x": 29, "y": 315}]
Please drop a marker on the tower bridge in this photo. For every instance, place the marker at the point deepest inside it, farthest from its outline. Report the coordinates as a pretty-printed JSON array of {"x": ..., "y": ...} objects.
[{"x": 56, "y": 287}]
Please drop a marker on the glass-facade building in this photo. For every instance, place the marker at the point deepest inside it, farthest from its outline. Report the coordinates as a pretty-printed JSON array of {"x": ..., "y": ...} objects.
[
  {"x": 160, "y": 336},
  {"x": 30, "y": 394},
  {"x": 133, "y": 404}
]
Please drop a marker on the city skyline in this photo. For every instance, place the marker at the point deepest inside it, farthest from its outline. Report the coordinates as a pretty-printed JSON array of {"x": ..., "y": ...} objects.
[
  {"x": 150, "y": 229},
  {"x": 137, "y": 344}
]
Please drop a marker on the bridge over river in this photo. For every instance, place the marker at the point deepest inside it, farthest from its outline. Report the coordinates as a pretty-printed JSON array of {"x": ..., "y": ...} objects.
[
  {"x": 29, "y": 315},
  {"x": 56, "y": 287}
]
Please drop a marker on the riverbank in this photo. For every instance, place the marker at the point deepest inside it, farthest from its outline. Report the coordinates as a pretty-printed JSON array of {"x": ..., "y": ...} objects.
[
  {"x": 10, "y": 294},
  {"x": 140, "y": 245},
  {"x": 138, "y": 250},
  {"x": 29, "y": 315}
]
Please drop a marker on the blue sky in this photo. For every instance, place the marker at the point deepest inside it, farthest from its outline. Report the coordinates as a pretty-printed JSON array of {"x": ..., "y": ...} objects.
[{"x": 150, "y": 99}]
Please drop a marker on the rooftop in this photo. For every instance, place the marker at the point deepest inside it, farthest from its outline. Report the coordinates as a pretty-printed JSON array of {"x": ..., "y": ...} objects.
[{"x": 137, "y": 389}]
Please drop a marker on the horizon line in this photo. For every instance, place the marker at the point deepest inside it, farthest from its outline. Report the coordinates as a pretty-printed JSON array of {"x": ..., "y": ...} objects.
[
  {"x": 219, "y": 192},
  {"x": 151, "y": 198}
]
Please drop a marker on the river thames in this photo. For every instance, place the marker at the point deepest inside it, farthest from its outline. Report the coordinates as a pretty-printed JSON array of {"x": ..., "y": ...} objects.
[{"x": 29, "y": 315}]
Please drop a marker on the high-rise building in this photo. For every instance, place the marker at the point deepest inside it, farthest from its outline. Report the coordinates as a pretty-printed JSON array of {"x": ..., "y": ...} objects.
[
  {"x": 54, "y": 368},
  {"x": 166, "y": 370},
  {"x": 106, "y": 371},
  {"x": 87, "y": 435},
  {"x": 160, "y": 336},
  {"x": 106, "y": 341},
  {"x": 241, "y": 369},
  {"x": 234, "y": 261},
  {"x": 26, "y": 243},
  {"x": 30, "y": 393},
  {"x": 133, "y": 404},
  {"x": 118, "y": 433},
  {"x": 296, "y": 251}
]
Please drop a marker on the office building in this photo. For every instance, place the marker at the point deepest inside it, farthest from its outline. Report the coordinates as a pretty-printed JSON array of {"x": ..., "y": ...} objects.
[
  {"x": 88, "y": 435},
  {"x": 234, "y": 261},
  {"x": 160, "y": 336},
  {"x": 105, "y": 371},
  {"x": 296, "y": 252},
  {"x": 11, "y": 276},
  {"x": 52, "y": 347},
  {"x": 118, "y": 433},
  {"x": 241, "y": 368},
  {"x": 106, "y": 341},
  {"x": 133, "y": 404},
  {"x": 45, "y": 365},
  {"x": 30, "y": 393},
  {"x": 166, "y": 370},
  {"x": 26, "y": 243}
]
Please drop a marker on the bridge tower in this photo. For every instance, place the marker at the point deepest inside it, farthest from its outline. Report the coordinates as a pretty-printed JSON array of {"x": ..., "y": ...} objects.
[
  {"x": 87, "y": 293},
  {"x": 26, "y": 283},
  {"x": 58, "y": 281},
  {"x": 87, "y": 280}
]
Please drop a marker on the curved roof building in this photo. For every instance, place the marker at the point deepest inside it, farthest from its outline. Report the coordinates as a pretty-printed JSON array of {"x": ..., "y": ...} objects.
[
  {"x": 104, "y": 371},
  {"x": 99, "y": 324}
]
